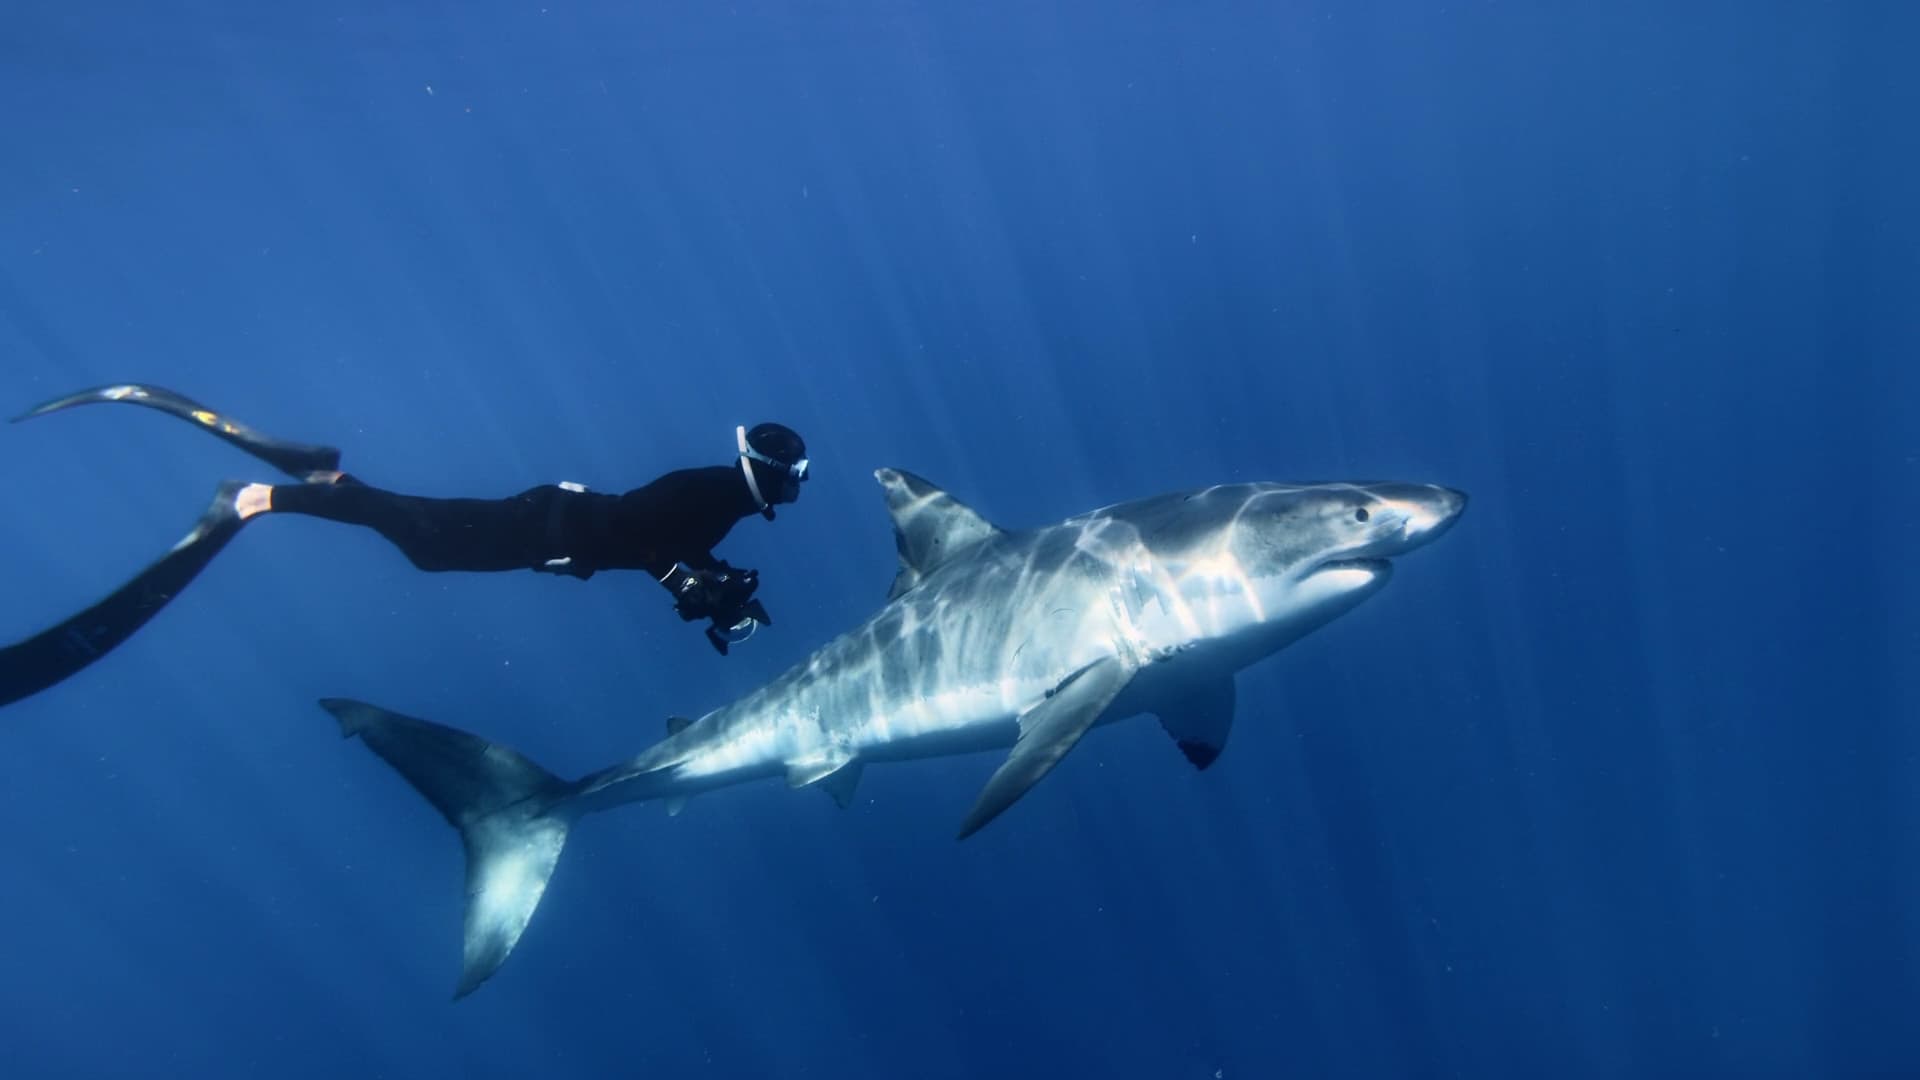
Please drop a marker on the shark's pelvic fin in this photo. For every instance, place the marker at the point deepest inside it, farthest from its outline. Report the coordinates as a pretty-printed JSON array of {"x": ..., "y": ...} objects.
[
  {"x": 929, "y": 526},
  {"x": 1047, "y": 732},
  {"x": 505, "y": 807},
  {"x": 1199, "y": 719},
  {"x": 817, "y": 767},
  {"x": 836, "y": 771},
  {"x": 841, "y": 783}
]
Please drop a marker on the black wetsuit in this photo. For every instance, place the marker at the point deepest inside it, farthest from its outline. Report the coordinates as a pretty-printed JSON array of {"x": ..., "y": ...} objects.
[{"x": 677, "y": 518}]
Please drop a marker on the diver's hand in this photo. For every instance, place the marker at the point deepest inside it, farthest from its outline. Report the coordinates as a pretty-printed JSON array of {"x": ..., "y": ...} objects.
[
  {"x": 736, "y": 586},
  {"x": 695, "y": 595},
  {"x": 714, "y": 594}
]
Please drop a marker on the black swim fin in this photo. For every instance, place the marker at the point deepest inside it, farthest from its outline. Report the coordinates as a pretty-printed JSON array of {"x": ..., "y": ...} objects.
[
  {"x": 297, "y": 460},
  {"x": 52, "y": 655}
]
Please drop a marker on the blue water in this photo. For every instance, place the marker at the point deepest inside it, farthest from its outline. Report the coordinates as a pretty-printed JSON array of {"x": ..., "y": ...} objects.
[{"x": 1620, "y": 778}]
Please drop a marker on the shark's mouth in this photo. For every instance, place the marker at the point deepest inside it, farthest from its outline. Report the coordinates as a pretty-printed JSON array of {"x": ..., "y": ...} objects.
[
  {"x": 1376, "y": 567},
  {"x": 1349, "y": 575}
]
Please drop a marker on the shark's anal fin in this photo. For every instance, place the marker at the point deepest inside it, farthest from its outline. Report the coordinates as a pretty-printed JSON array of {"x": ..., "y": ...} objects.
[
  {"x": 1047, "y": 732},
  {"x": 508, "y": 810},
  {"x": 1199, "y": 718},
  {"x": 929, "y": 526}
]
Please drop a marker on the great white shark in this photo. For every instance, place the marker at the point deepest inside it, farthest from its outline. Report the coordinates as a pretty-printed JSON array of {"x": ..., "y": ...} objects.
[{"x": 991, "y": 639}]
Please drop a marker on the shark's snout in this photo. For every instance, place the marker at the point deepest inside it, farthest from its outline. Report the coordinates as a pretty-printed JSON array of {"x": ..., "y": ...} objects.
[
  {"x": 1415, "y": 514},
  {"x": 1441, "y": 509},
  {"x": 1431, "y": 512}
]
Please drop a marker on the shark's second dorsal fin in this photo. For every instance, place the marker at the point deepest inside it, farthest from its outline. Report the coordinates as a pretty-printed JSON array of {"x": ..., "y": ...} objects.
[{"x": 929, "y": 526}]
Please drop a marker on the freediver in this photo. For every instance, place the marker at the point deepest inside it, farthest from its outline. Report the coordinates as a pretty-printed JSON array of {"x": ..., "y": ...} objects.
[{"x": 667, "y": 528}]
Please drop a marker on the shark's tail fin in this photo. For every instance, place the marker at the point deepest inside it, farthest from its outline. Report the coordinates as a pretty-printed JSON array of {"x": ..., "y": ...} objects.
[{"x": 510, "y": 812}]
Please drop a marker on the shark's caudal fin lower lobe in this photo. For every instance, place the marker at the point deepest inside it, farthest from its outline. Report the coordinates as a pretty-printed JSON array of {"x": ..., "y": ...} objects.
[{"x": 508, "y": 811}]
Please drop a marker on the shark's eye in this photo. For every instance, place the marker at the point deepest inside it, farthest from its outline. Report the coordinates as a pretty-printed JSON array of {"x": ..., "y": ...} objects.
[{"x": 1361, "y": 514}]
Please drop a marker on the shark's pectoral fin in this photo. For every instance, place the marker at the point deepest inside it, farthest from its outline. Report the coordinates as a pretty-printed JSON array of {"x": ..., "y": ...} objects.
[
  {"x": 1199, "y": 718},
  {"x": 677, "y": 724},
  {"x": 1047, "y": 732}
]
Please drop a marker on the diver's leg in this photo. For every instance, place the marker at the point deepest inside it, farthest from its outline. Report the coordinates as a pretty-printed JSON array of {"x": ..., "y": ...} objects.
[{"x": 434, "y": 534}]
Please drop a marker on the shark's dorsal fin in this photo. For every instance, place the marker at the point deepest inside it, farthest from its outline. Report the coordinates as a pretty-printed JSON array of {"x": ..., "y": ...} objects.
[
  {"x": 929, "y": 526},
  {"x": 677, "y": 724}
]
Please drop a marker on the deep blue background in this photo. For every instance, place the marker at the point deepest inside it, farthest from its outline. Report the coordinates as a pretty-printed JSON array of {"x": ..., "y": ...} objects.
[{"x": 1620, "y": 778}]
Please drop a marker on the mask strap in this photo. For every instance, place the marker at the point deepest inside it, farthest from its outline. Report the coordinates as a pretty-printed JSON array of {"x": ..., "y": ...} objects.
[{"x": 746, "y": 470}]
